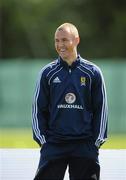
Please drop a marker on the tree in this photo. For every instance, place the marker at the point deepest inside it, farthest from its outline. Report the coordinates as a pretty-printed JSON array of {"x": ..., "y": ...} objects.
[{"x": 28, "y": 27}]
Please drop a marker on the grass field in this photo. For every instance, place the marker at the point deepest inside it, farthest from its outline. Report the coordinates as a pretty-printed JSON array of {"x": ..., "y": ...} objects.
[{"x": 22, "y": 138}]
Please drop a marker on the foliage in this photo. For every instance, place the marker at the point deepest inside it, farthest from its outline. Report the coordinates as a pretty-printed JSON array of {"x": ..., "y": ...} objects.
[{"x": 28, "y": 27}]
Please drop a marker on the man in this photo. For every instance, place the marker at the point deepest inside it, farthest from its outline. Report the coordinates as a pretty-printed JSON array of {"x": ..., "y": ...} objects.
[{"x": 69, "y": 112}]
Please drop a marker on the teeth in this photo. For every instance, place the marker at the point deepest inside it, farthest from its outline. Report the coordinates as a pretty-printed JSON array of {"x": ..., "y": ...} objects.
[{"x": 62, "y": 50}]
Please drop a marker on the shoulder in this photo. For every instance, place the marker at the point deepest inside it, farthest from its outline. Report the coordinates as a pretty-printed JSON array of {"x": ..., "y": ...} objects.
[
  {"x": 45, "y": 70},
  {"x": 90, "y": 67}
]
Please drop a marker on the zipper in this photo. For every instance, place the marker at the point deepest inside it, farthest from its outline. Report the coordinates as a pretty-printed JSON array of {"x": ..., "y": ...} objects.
[{"x": 69, "y": 70}]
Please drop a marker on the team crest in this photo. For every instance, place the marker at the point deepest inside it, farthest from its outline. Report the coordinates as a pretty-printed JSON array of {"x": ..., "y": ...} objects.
[
  {"x": 83, "y": 81},
  {"x": 70, "y": 98}
]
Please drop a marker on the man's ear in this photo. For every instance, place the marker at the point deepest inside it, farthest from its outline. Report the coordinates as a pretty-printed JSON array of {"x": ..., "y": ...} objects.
[{"x": 77, "y": 40}]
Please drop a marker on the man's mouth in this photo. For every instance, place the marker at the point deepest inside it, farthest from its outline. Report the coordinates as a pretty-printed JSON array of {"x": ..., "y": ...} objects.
[{"x": 62, "y": 50}]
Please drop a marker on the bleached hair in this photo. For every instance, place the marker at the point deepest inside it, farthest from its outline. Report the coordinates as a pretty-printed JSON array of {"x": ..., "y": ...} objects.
[{"x": 71, "y": 27}]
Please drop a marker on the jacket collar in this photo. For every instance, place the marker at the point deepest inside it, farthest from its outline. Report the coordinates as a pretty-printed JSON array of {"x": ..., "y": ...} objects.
[{"x": 73, "y": 65}]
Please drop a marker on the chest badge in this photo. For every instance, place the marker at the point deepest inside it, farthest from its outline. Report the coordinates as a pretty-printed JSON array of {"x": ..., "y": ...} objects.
[
  {"x": 70, "y": 98},
  {"x": 83, "y": 81}
]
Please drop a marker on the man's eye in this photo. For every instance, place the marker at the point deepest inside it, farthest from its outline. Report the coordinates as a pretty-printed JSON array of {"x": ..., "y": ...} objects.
[{"x": 64, "y": 40}]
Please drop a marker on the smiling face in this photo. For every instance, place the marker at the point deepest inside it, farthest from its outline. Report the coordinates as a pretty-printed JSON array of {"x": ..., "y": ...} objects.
[{"x": 66, "y": 44}]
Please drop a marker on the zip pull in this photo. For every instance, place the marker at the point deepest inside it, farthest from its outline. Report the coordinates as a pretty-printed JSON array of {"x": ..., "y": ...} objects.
[{"x": 69, "y": 70}]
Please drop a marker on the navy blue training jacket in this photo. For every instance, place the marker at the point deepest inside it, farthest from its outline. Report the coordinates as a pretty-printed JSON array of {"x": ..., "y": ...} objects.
[{"x": 70, "y": 103}]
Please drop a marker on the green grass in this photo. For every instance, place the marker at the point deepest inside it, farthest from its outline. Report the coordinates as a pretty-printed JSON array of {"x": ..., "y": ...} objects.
[
  {"x": 22, "y": 138},
  {"x": 17, "y": 138},
  {"x": 115, "y": 142}
]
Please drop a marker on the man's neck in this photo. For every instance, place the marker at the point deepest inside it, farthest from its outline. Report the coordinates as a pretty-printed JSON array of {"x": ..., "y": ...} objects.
[{"x": 71, "y": 60}]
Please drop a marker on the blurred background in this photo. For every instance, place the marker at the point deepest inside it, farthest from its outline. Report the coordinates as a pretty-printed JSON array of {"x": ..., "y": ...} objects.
[{"x": 27, "y": 30}]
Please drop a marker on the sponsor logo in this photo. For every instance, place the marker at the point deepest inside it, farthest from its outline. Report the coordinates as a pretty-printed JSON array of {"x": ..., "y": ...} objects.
[
  {"x": 69, "y": 106},
  {"x": 70, "y": 98},
  {"x": 83, "y": 81},
  {"x": 56, "y": 80}
]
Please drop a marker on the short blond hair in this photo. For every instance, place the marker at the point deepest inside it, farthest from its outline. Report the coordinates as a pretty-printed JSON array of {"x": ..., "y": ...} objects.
[{"x": 71, "y": 27}]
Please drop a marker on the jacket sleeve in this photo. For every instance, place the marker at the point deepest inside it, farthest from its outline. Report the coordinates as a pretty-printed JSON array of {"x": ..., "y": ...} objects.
[
  {"x": 100, "y": 108},
  {"x": 40, "y": 110}
]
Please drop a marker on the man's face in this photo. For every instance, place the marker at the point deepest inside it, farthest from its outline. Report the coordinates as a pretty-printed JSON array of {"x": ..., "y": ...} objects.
[{"x": 65, "y": 44}]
